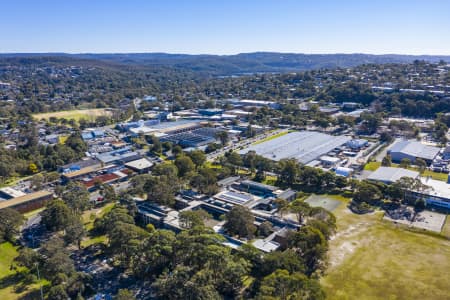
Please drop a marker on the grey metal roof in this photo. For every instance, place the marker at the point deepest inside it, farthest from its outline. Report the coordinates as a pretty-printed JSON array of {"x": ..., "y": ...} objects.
[
  {"x": 139, "y": 164},
  {"x": 415, "y": 149},
  {"x": 108, "y": 157},
  {"x": 227, "y": 181},
  {"x": 305, "y": 146},
  {"x": 390, "y": 174},
  {"x": 81, "y": 164},
  {"x": 164, "y": 125},
  {"x": 287, "y": 194}
]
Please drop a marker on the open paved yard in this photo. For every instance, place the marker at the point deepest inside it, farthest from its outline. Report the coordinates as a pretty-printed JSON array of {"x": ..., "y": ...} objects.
[{"x": 429, "y": 220}]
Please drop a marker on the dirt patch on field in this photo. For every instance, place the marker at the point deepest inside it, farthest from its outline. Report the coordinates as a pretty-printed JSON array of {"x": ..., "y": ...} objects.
[
  {"x": 369, "y": 258},
  {"x": 347, "y": 240}
]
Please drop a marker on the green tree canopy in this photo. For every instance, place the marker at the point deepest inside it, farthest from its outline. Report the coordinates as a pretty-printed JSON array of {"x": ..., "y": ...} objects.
[
  {"x": 10, "y": 221},
  {"x": 240, "y": 222}
]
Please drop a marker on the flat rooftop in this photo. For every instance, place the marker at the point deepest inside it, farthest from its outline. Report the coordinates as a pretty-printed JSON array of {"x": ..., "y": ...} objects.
[
  {"x": 23, "y": 199},
  {"x": 81, "y": 172},
  {"x": 304, "y": 146},
  {"x": 139, "y": 164},
  {"x": 234, "y": 197},
  {"x": 329, "y": 159},
  {"x": 13, "y": 193},
  {"x": 227, "y": 181},
  {"x": 84, "y": 163},
  {"x": 109, "y": 157},
  {"x": 174, "y": 124},
  {"x": 266, "y": 246},
  {"x": 438, "y": 188},
  {"x": 105, "y": 178}
]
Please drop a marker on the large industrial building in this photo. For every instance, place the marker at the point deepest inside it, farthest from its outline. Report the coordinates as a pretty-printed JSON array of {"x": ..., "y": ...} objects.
[
  {"x": 254, "y": 103},
  {"x": 437, "y": 194},
  {"x": 188, "y": 139},
  {"x": 120, "y": 156},
  {"x": 158, "y": 128},
  {"x": 412, "y": 150},
  {"x": 27, "y": 202},
  {"x": 141, "y": 166},
  {"x": 304, "y": 146},
  {"x": 195, "y": 138},
  {"x": 8, "y": 193},
  {"x": 389, "y": 174},
  {"x": 79, "y": 165}
]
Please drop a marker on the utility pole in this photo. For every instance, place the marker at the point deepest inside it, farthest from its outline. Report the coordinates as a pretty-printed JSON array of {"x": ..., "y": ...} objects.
[{"x": 40, "y": 283}]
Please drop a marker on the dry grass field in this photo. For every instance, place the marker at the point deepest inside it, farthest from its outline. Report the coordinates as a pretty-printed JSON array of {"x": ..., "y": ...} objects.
[
  {"x": 78, "y": 114},
  {"x": 374, "y": 259}
]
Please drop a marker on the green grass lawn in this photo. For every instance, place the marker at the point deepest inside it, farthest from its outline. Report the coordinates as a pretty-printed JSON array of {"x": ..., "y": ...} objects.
[
  {"x": 435, "y": 175},
  {"x": 11, "y": 285},
  {"x": 211, "y": 165},
  {"x": 271, "y": 137},
  {"x": 372, "y": 259},
  {"x": 13, "y": 180},
  {"x": 94, "y": 240},
  {"x": 244, "y": 172},
  {"x": 374, "y": 165},
  {"x": 8, "y": 253},
  {"x": 88, "y": 218},
  {"x": 33, "y": 212},
  {"x": 162, "y": 156},
  {"x": 270, "y": 180}
]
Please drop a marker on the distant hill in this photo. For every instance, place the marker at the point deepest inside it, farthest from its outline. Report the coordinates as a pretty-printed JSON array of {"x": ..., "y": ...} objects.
[{"x": 244, "y": 63}]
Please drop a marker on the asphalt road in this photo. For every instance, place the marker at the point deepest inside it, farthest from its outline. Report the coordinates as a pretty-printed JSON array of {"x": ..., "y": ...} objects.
[
  {"x": 32, "y": 221},
  {"x": 32, "y": 232}
]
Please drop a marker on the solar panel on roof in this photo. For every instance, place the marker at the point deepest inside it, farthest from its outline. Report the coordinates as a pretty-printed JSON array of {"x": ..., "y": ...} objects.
[{"x": 235, "y": 198}]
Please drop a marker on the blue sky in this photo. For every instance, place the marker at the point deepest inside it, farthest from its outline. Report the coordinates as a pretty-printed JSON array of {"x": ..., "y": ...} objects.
[{"x": 226, "y": 27}]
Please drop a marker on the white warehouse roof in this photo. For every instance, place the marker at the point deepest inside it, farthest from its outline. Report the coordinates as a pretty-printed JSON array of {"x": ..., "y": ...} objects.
[
  {"x": 139, "y": 164},
  {"x": 414, "y": 149},
  {"x": 329, "y": 159},
  {"x": 13, "y": 193},
  {"x": 390, "y": 174},
  {"x": 304, "y": 146},
  {"x": 438, "y": 188}
]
